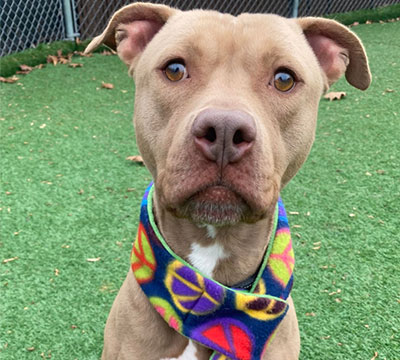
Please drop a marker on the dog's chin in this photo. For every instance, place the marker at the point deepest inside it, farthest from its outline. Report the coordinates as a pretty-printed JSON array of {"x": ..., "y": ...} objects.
[{"x": 215, "y": 205}]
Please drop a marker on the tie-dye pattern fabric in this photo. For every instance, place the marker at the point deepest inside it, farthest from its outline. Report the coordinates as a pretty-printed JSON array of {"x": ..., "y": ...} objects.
[{"x": 236, "y": 324}]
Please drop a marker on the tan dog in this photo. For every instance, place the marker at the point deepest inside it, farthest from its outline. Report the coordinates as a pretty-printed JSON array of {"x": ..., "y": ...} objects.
[{"x": 225, "y": 115}]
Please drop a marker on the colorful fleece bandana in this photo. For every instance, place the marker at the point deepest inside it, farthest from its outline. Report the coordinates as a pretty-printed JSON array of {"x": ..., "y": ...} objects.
[{"x": 236, "y": 324}]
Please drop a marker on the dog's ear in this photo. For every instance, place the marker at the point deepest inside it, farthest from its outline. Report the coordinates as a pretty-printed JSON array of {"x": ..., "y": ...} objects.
[
  {"x": 131, "y": 28},
  {"x": 339, "y": 51}
]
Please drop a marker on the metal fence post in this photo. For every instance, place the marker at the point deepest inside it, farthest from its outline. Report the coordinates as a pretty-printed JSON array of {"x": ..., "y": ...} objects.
[
  {"x": 295, "y": 8},
  {"x": 69, "y": 10}
]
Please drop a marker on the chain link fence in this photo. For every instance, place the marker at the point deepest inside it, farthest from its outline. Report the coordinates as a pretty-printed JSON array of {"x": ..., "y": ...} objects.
[{"x": 25, "y": 24}]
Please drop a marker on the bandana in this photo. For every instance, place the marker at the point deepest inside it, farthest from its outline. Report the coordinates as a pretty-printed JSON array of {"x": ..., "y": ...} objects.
[{"x": 235, "y": 323}]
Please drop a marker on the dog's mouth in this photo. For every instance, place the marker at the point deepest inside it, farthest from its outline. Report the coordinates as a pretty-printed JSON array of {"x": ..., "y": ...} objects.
[{"x": 216, "y": 205}]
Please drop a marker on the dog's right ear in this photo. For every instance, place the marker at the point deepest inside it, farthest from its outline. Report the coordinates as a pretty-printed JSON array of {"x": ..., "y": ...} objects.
[{"x": 131, "y": 29}]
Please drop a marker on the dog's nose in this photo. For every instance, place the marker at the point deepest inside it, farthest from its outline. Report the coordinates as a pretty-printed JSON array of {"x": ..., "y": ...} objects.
[{"x": 224, "y": 136}]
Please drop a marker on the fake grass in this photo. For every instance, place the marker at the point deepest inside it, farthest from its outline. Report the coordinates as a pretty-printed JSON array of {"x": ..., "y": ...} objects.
[
  {"x": 68, "y": 195},
  {"x": 378, "y": 14}
]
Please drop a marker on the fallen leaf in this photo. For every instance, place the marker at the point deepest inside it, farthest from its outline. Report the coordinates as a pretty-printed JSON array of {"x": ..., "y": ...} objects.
[
  {"x": 352, "y": 215},
  {"x": 30, "y": 348},
  {"x": 9, "y": 80},
  {"x": 5, "y": 261},
  {"x": 310, "y": 314},
  {"x": 81, "y": 53},
  {"x": 293, "y": 213},
  {"x": 107, "y": 85},
  {"x": 75, "y": 65},
  {"x": 93, "y": 259},
  {"x": 63, "y": 60},
  {"x": 56, "y": 272},
  {"x": 335, "y": 95},
  {"x": 40, "y": 66},
  {"x": 107, "y": 53},
  {"x": 338, "y": 291},
  {"x": 52, "y": 59},
  {"x": 355, "y": 23},
  {"x": 368, "y": 22},
  {"x": 389, "y": 91},
  {"x": 26, "y": 68},
  {"x": 375, "y": 355},
  {"x": 135, "y": 158}
]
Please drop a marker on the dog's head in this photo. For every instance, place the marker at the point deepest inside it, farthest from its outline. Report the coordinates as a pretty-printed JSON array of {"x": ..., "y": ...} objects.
[{"x": 226, "y": 107}]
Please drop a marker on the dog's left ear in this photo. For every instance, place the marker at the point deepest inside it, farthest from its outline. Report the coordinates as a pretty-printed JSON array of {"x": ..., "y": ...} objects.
[{"x": 339, "y": 51}]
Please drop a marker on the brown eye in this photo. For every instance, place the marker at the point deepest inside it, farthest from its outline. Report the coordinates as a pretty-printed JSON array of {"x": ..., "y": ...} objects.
[
  {"x": 175, "y": 71},
  {"x": 283, "y": 81}
]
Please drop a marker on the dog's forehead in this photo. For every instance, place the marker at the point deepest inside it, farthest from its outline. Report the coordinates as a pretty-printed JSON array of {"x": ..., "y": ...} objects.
[
  {"x": 211, "y": 26},
  {"x": 217, "y": 35}
]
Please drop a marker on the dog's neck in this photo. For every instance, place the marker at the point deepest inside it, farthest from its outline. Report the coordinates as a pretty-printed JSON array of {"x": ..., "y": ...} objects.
[{"x": 229, "y": 254}]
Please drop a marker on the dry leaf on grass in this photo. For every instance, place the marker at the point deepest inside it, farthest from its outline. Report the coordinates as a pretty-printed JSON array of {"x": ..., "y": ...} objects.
[
  {"x": 107, "y": 85},
  {"x": 81, "y": 53},
  {"x": 108, "y": 53},
  {"x": 5, "y": 261},
  {"x": 375, "y": 355},
  {"x": 9, "y": 80},
  {"x": 135, "y": 158},
  {"x": 63, "y": 60},
  {"x": 51, "y": 59},
  {"x": 25, "y": 69},
  {"x": 75, "y": 65},
  {"x": 335, "y": 95},
  {"x": 93, "y": 259}
]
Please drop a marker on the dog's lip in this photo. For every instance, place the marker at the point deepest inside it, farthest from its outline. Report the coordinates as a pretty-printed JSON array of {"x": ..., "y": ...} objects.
[{"x": 217, "y": 193}]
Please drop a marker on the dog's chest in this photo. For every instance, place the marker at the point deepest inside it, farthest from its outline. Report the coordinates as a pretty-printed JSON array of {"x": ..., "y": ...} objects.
[{"x": 206, "y": 258}]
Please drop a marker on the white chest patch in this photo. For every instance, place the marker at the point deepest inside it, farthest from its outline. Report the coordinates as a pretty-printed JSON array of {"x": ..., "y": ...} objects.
[
  {"x": 188, "y": 354},
  {"x": 205, "y": 258}
]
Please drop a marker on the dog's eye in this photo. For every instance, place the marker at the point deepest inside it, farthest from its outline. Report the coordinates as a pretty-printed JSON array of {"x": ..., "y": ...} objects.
[
  {"x": 175, "y": 71},
  {"x": 283, "y": 81}
]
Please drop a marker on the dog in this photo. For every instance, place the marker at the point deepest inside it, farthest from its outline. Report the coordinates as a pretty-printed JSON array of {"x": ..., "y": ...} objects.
[{"x": 225, "y": 115}]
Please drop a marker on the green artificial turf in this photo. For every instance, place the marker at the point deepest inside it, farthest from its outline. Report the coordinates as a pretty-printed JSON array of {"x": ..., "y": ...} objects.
[
  {"x": 68, "y": 195},
  {"x": 361, "y": 16}
]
